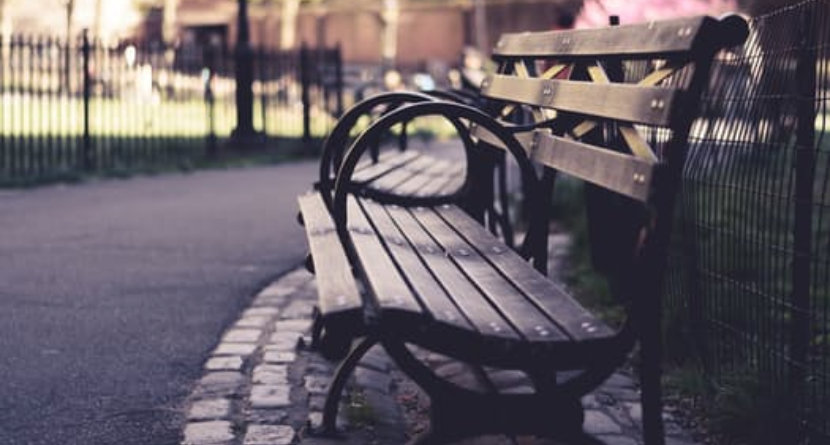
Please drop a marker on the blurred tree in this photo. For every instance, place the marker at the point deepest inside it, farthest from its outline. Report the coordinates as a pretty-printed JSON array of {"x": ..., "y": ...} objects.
[{"x": 756, "y": 7}]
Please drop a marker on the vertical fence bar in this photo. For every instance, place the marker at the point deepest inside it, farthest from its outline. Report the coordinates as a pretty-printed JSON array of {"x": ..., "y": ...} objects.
[
  {"x": 338, "y": 79},
  {"x": 208, "y": 74},
  {"x": 46, "y": 103},
  {"x": 263, "y": 87},
  {"x": 32, "y": 99},
  {"x": 305, "y": 80},
  {"x": 100, "y": 144},
  {"x": 89, "y": 161},
  {"x": 66, "y": 133},
  {"x": 803, "y": 225},
  {"x": 17, "y": 88},
  {"x": 3, "y": 110},
  {"x": 26, "y": 110}
]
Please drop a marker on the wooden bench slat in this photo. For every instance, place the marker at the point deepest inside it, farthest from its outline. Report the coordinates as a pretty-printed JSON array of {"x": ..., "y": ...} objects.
[
  {"x": 428, "y": 290},
  {"x": 448, "y": 184},
  {"x": 465, "y": 296},
  {"x": 653, "y": 39},
  {"x": 576, "y": 321},
  {"x": 384, "y": 279},
  {"x": 436, "y": 171},
  {"x": 383, "y": 166},
  {"x": 336, "y": 287},
  {"x": 626, "y": 102},
  {"x": 392, "y": 179},
  {"x": 625, "y": 174},
  {"x": 383, "y": 156},
  {"x": 483, "y": 135},
  {"x": 522, "y": 314}
]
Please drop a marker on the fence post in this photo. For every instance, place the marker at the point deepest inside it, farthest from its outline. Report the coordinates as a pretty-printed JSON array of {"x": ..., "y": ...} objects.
[
  {"x": 3, "y": 130},
  {"x": 805, "y": 159},
  {"x": 305, "y": 79},
  {"x": 244, "y": 70},
  {"x": 262, "y": 70},
  {"x": 208, "y": 56},
  {"x": 89, "y": 161},
  {"x": 338, "y": 79}
]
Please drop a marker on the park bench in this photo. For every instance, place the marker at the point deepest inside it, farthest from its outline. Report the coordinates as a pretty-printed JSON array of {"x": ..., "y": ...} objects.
[
  {"x": 400, "y": 174},
  {"x": 426, "y": 273}
]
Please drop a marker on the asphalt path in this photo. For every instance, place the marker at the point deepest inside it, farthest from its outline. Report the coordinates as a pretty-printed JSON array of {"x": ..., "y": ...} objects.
[{"x": 113, "y": 293}]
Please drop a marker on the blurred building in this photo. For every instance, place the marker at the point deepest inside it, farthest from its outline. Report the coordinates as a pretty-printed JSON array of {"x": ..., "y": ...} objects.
[{"x": 425, "y": 32}]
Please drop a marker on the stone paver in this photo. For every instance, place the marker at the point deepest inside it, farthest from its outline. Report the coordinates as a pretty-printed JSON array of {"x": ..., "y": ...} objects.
[
  {"x": 231, "y": 363},
  {"x": 261, "y": 385},
  {"x": 220, "y": 384},
  {"x": 242, "y": 335},
  {"x": 279, "y": 356},
  {"x": 270, "y": 396},
  {"x": 269, "y": 435},
  {"x": 211, "y": 409},
  {"x": 208, "y": 433},
  {"x": 240, "y": 349}
]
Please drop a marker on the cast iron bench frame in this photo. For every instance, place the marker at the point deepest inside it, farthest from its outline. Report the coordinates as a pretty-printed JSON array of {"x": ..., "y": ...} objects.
[
  {"x": 401, "y": 175},
  {"x": 434, "y": 278}
]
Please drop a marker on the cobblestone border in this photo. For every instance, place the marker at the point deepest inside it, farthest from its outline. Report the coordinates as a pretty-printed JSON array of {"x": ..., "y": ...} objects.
[{"x": 261, "y": 386}]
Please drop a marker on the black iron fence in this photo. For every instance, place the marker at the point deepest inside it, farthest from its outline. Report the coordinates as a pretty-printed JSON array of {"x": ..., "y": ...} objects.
[
  {"x": 750, "y": 274},
  {"x": 91, "y": 106}
]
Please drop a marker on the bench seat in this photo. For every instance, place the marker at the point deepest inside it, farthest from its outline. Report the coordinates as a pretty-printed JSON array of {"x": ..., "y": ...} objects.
[
  {"x": 410, "y": 174},
  {"x": 438, "y": 279}
]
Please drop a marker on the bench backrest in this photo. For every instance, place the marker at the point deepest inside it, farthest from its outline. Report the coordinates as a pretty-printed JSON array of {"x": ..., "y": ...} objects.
[{"x": 611, "y": 106}]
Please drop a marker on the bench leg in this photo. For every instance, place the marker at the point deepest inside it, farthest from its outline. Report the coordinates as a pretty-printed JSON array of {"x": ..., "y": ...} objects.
[
  {"x": 347, "y": 366},
  {"x": 457, "y": 413}
]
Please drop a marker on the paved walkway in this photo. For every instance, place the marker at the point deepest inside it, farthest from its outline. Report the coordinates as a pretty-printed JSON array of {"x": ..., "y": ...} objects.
[
  {"x": 261, "y": 386},
  {"x": 113, "y": 293}
]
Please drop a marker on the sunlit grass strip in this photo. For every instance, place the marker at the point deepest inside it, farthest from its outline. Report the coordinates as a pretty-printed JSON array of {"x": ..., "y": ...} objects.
[{"x": 25, "y": 116}]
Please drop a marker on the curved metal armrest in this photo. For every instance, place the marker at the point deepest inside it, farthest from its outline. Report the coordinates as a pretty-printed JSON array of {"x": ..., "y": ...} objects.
[
  {"x": 334, "y": 146},
  {"x": 453, "y": 112},
  {"x": 455, "y": 95}
]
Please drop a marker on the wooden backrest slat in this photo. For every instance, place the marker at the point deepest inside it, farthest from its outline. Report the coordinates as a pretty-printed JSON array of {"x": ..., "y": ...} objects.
[
  {"x": 626, "y": 102},
  {"x": 653, "y": 39},
  {"x": 595, "y": 105},
  {"x": 622, "y": 173}
]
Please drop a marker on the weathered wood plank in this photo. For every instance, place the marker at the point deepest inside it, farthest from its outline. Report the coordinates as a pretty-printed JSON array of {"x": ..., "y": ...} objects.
[
  {"x": 383, "y": 166},
  {"x": 626, "y": 102},
  {"x": 447, "y": 184},
  {"x": 566, "y": 312},
  {"x": 391, "y": 180},
  {"x": 383, "y": 156},
  {"x": 624, "y": 174},
  {"x": 384, "y": 279},
  {"x": 336, "y": 286},
  {"x": 506, "y": 298},
  {"x": 436, "y": 171},
  {"x": 431, "y": 294},
  {"x": 466, "y": 297},
  {"x": 652, "y": 39}
]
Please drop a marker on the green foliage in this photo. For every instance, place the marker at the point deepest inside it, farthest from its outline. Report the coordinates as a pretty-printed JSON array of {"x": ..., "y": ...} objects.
[
  {"x": 358, "y": 411},
  {"x": 738, "y": 409},
  {"x": 746, "y": 412},
  {"x": 590, "y": 287}
]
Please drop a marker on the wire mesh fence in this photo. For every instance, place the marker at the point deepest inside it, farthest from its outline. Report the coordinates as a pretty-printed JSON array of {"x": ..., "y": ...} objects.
[
  {"x": 92, "y": 106},
  {"x": 750, "y": 272}
]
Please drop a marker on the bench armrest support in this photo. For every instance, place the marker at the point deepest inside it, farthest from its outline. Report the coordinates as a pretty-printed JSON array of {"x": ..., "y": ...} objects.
[
  {"x": 452, "y": 112},
  {"x": 335, "y": 144}
]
